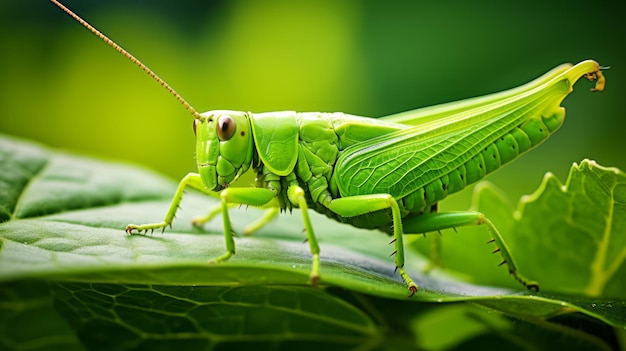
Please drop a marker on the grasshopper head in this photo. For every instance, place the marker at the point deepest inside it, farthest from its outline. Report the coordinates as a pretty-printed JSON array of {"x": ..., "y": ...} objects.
[{"x": 223, "y": 147}]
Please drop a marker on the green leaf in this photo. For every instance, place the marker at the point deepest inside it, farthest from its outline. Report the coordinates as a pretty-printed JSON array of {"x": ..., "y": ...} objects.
[
  {"x": 585, "y": 232},
  {"x": 29, "y": 321},
  {"x": 62, "y": 232}
]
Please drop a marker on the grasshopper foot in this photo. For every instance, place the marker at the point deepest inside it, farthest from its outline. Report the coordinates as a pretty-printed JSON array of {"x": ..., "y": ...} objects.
[
  {"x": 198, "y": 222},
  {"x": 222, "y": 258},
  {"x": 131, "y": 228},
  {"x": 315, "y": 278},
  {"x": 410, "y": 284},
  {"x": 413, "y": 290}
]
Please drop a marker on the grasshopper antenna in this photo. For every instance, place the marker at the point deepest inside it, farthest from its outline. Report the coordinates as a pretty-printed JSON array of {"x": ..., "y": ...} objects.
[{"x": 132, "y": 58}]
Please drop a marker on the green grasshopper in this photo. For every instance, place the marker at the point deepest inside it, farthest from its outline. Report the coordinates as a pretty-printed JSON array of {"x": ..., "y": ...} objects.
[{"x": 387, "y": 173}]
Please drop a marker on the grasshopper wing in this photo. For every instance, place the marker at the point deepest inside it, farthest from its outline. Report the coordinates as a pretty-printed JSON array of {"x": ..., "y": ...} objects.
[{"x": 491, "y": 131}]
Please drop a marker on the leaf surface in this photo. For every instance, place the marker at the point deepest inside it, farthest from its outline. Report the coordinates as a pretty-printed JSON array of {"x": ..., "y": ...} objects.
[{"x": 63, "y": 218}]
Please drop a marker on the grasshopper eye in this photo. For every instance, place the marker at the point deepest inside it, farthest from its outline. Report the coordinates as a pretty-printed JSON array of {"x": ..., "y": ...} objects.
[
  {"x": 195, "y": 123},
  {"x": 225, "y": 127}
]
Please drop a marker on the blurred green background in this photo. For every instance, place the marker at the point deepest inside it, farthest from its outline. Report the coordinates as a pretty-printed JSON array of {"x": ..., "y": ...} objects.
[{"x": 64, "y": 87}]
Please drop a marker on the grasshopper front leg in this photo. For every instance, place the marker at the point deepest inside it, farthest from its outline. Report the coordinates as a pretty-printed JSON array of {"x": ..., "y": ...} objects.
[
  {"x": 297, "y": 196},
  {"x": 229, "y": 196},
  {"x": 259, "y": 197},
  {"x": 192, "y": 180},
  {"x": 243, "y": 196}
]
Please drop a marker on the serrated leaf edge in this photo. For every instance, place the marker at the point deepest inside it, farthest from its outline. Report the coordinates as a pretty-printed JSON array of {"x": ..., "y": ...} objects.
[{"x": 599, "y": 274}]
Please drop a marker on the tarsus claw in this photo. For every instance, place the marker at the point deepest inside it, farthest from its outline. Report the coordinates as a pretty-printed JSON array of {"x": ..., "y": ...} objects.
[
  {"x": 314, "y": 279},
  {"x": 532, "y": 286}
]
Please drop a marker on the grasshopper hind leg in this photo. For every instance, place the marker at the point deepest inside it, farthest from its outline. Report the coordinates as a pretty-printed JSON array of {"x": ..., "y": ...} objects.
[
  {"x": 363, "y": 204},
  {"x": 434, "y": 222},
  {"x": 436, "y": 260}
]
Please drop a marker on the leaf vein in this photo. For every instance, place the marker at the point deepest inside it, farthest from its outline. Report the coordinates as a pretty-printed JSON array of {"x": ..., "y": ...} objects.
[{"x": 35, "y": 176}]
